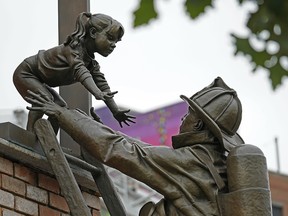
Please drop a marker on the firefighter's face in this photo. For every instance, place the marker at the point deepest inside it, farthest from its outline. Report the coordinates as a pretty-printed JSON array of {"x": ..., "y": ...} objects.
[{"x": 188, "y": 121}]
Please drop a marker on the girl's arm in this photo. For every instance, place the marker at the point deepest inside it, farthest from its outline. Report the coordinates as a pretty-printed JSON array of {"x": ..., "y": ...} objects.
[
  {"x": 82, "y": 74},
  {"x": 107, "y": 97},
  {"x": 99, "y": 80},
  {"x": 90, "y": 85}
]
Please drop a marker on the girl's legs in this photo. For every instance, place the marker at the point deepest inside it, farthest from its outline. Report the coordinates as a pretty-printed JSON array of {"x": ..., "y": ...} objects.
[{"x": 25, "y": 79}]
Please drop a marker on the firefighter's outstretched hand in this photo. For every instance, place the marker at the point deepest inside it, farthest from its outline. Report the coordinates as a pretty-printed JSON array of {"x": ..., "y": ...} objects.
[{"x": 41, "y": 102}]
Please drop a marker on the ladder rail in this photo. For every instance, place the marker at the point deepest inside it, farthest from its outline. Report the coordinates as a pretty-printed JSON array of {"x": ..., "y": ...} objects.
[
  {"x": 61, "y": 169},
  {"x": 106, "y": 187},
  {"x": 60, "y": 166}
]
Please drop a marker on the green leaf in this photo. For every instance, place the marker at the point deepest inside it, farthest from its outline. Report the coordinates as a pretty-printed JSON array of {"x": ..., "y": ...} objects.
[
  {"x": 261, "y": 59},
  {"x": 260, "y": 20},
  {"x": 271, "y": 14},
  {"x": 240, "y": 1},
  {"x": 144, "y": 13},
  {"x": 242, "y": 45},
  {"x": 196, "y": 7},
  {"x": 277, "y": 72},
  {"x": 258, "y": 58}
]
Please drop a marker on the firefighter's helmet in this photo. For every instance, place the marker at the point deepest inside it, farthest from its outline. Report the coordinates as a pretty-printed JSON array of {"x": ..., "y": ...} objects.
[{"x": 220, "y": 109}]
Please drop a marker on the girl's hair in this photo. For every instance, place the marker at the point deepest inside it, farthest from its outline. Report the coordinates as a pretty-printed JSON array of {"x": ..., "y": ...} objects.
[{"x": 100, "y": 22}]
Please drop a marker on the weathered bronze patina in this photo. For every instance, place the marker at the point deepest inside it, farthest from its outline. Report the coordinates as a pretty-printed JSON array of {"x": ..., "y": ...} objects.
[
  {"x": 71, "y": 62},
  {"x": 192, "y": 176}
]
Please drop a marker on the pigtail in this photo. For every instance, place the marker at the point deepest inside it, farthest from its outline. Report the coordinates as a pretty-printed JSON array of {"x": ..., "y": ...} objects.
[{"x": 75, "y": 37}]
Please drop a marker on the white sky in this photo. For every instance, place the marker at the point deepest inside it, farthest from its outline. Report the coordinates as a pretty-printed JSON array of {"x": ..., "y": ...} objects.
[{"x": 154, "y": 64}]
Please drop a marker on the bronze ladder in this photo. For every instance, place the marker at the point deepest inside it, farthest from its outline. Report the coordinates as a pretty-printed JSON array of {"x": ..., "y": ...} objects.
[{"x": 69, "y": 187}]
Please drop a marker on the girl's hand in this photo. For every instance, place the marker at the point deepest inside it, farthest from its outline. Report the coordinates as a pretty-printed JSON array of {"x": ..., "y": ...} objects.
[
  {"x": 105, "y": 95},
  {"x": 121, "y": 116}
]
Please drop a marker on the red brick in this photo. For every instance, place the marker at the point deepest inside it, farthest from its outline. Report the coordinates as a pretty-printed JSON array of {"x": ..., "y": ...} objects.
[
  {"x": 46, "y": 211},
  {"x": 95, "y": 212},
  {"x": 279, "y": 190},
  {"x": 6, "y": 199},
  {"x": 58, "y": 202},
  {"x": 7, "y": 212},
  {"x": 13, "y": 185},
  {"x": 37, "y": 194},
  {"x": 48, "y": 183},
  {"x": 91, "y": 200},
  {"x": 6, "y": 166},
  {"x": 26, "y": 206},
  {"x": 24, "y": 173}
]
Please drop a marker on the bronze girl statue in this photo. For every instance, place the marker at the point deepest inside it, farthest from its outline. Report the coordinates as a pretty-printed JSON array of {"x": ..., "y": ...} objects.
[{"x": 73, "y": 61}]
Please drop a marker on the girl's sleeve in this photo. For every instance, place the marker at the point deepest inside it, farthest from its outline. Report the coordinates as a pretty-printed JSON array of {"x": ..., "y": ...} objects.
[
  {"x": 99, "y": 77},
  {"x": 80, "y": 72}
]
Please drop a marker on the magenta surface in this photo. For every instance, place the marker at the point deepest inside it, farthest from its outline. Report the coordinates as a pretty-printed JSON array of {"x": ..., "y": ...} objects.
[{"x": 155, "y": 127}]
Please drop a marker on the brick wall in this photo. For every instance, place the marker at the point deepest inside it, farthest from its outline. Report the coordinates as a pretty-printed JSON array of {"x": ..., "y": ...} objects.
[
  {"x": 25, "y": 191},
  {"x": 279, "y": 191}
]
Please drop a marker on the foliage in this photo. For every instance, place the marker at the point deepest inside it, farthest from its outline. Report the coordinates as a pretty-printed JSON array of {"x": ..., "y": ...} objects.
[
  {"x": 196, "y": 7},
  {"x": 268, "y": 26},
  {"x": 145, "y": 12}
]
